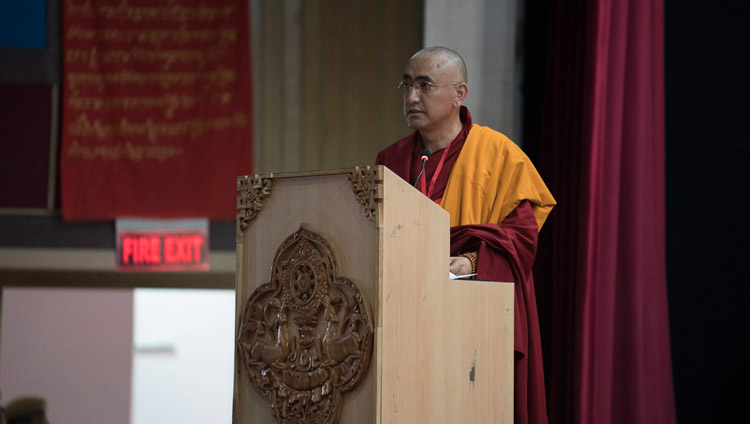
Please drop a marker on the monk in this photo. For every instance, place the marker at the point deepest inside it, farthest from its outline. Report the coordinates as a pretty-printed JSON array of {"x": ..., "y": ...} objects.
[{"x": 496, "y": 199}]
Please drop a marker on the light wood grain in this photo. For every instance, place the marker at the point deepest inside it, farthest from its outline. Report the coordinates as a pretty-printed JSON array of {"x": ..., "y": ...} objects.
[
  {"x": 431, "y": 331},
  {"x": 433, "y": 327}
]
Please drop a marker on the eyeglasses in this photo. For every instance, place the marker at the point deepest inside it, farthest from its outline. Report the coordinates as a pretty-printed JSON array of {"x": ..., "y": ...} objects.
[{"x": 422, "y": 86}]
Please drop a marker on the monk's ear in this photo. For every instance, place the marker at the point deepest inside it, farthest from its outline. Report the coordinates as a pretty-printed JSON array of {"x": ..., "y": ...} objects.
[{"x": 462, "y": 90}]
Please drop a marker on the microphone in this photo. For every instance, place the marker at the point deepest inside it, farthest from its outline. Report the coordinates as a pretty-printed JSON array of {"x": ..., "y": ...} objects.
[{"x": 425, "y": 155}]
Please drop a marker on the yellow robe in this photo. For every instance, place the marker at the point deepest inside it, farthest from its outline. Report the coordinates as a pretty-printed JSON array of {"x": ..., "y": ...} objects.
[{"x": 492, "y": 175}]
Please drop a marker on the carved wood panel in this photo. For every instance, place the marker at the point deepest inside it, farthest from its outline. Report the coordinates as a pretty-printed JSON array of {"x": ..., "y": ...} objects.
[{"x": 306, "y": 336}]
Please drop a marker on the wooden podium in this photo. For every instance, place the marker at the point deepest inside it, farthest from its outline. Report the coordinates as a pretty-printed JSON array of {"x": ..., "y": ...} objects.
[{"x": 345, "y": 312}]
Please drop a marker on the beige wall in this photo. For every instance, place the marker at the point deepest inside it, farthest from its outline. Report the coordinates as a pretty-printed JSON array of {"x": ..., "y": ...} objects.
[
  {"x": 487, "y": 34},
  {"x": 325, "y": 77},
  {"x": 71, "y": 346}
]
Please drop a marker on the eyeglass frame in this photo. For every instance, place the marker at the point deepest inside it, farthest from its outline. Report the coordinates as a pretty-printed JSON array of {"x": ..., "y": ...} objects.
[{"x": 405, "y": 86}]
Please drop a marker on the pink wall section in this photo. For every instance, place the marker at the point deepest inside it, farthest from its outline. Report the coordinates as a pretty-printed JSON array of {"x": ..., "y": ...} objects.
[{"x": 72, "y": 346}]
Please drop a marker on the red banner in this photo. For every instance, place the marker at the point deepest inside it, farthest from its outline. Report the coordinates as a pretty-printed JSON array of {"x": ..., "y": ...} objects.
[{"x": 156, "y": 108}]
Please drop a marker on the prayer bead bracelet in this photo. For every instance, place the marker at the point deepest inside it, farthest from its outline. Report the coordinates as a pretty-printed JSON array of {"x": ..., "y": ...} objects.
[{"x": 473, "y": 259}]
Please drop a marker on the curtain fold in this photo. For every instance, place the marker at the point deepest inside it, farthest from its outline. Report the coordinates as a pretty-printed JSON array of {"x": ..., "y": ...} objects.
[{"x": 602, "y": 269}]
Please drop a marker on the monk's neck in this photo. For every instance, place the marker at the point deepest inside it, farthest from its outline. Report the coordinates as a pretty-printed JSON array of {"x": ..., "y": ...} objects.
[{"x": 434, "y": 140}]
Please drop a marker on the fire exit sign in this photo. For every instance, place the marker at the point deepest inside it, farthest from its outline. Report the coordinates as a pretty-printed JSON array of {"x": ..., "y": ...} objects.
[{"x": 162, "y": 245}]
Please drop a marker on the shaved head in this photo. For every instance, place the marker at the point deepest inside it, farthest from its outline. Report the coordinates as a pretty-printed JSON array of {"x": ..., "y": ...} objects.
[
  {"x": 434, "y": 87},
  {"x": 447, "y": 57}
]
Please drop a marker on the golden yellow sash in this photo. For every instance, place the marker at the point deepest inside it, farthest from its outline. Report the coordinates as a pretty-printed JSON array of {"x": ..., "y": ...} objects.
[{"x": 492, "y": 175}]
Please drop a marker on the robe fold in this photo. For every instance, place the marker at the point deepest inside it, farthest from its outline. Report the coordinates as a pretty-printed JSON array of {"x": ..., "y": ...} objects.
[{"x": 497, "y": 202}]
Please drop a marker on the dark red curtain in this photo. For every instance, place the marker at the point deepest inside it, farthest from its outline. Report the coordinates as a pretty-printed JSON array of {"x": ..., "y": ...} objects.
[{"x": 601, "y": 271}]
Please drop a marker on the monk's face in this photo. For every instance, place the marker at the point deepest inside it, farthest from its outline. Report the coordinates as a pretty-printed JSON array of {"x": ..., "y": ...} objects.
[{"x": 433, "y": 98}]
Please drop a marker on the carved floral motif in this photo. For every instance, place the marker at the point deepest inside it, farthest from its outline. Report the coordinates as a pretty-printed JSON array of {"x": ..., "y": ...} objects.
[
  {"x": 253, "y": 189},
  {"x": 306, "y": 336},
  {"x": 365, "y": 183}
]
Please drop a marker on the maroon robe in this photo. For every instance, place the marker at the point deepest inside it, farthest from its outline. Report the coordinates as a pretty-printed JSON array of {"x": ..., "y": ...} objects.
[{"x": 504, "y": 253}]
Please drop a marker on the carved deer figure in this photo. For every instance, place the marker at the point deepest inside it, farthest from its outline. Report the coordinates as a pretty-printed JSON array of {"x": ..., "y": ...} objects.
[
  {"x": 265, "y": 351},
  {"x": 254, "y": 323},
  {"x": 272, "y": 351},
  {"x": 282, "y": 333},
  {"x": 332, "y": 329},
  {"x": 337, "y": 348},
  {"x": 344, "y": 347}
]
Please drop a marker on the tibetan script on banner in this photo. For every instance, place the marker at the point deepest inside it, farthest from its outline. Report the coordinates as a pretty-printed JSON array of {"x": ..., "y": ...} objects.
[{"x": 156, "y": 108}]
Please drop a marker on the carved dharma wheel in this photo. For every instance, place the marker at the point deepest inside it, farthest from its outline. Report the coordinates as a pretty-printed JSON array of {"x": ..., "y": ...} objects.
[{"x": 306, "y": 336}]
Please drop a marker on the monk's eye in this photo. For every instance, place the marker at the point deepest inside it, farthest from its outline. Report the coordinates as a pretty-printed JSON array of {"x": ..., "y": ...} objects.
[
  {"x": 405, "y": 86},
  {"x": 425, "y": 86}
]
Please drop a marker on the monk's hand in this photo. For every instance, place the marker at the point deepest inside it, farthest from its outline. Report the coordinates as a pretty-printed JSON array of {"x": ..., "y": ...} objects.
[{"x": 460, "y": 265}]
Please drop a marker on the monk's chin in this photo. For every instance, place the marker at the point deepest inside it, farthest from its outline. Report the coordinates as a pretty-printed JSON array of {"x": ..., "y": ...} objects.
[{"x": 414, "y": 124}]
